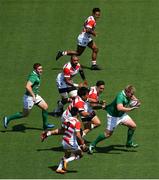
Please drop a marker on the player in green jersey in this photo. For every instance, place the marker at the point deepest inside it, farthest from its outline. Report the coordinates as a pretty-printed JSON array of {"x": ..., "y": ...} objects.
[
  {"x": 117, "y": 114},
  {"x": 32, "y": 98}
]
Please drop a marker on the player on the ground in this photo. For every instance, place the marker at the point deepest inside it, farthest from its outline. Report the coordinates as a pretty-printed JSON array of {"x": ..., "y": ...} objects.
[
  {"x": 66, "y": 87},
  {"x": 31, "y": 98},
  {"x": 85, "y": 39},
  {"x": 72, "y": 142},
  {"x": 117, "y": 114}
]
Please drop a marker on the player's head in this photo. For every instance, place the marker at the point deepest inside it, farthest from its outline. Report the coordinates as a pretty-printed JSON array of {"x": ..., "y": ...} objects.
[
  {"x": 100, "y": 86},
  {"x": 96, "y": 13},
  {"x": 74, "y": 60},
  {"x": 74, "y": 111},
  {"x": 38, "y": 68},
  {"x": 129, "y": 91},
  {"x": 83, "y": 92}
]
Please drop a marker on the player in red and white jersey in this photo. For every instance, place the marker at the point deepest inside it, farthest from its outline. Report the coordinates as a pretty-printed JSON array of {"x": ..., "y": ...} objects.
[
  {"x": 85, "y": 39},
  {"x": 66, "y": 87},
  {"x": 72, "y": 141},
  {"x": 80, "y": 102},
  {"x": 93, "y": 103},
  {"x": 95, "y": 91}
]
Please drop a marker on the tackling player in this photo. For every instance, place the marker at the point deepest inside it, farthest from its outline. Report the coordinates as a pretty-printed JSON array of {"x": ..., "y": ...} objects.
[
  {"x": 85, "y": 39},
  {"x": 31, "y": 98},
  {"x": 117, "y": 114}
]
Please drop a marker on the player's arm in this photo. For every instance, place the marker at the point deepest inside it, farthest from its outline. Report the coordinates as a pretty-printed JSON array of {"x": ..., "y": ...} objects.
[
  {"x": 98, "y": 105},
  {"x": 83, "y": 77},
  {"x": 29, "y": 89},
  {"x": 120, "y": 107},
  {"x": 90, "y": 31}
]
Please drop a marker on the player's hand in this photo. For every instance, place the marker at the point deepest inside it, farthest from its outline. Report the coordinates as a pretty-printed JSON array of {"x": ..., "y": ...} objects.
[
  {"x": 84, "y": 148},
  {"x": 80, "y": 85},
  {"x": 85, "y": 83}
]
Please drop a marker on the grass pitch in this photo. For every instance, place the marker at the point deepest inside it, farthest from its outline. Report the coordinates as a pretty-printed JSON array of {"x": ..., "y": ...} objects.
[{"x": 32, "y": 31}]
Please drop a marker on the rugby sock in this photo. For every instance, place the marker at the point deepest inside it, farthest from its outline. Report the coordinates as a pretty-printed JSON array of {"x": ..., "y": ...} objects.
[
  {"x": 45, "y": 117},
  {"x": 60, "y": 165},
  {"x": 71, "y": 158},
  {"x": 93, "y": 62},
  {"x": 17, "y": 115},
  {"x": 64, "y": 53},
  {"x": 101, "y": 137},
  {"x": 130, "y": 135}
]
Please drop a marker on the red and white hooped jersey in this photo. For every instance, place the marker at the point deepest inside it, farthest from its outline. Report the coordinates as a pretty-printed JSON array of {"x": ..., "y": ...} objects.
[
  {"x": 71, "y": 126},
  {"x": 78, "y": 103},
  {"x": 69, "y": 71},
  {"x": 89, "y": 23},
  {"x": 93, "y": 94}
]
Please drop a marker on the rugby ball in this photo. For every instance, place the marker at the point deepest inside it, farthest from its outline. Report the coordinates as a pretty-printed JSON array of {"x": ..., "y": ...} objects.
[{"x": 134, "y": 103}]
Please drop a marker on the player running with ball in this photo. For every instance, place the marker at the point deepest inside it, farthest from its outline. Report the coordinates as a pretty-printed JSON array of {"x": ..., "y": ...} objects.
[{"x": 117, "y": 114}]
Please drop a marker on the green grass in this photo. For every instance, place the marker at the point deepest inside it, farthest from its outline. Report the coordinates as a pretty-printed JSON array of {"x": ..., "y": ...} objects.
[{"x": 32, "y": 31}]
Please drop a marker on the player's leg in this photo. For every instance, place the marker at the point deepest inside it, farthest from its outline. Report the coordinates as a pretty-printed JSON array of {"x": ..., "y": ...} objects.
[
  {"x": 27, "y": 103},
  {"x": 74, "y": 153},
  {"x": 77, "y": 52},
  {"x": 111, "y": 125},
  {"x": 95, "y": 122},
  {"x": 95, "y": 50},
  {"x": 46, "y": 134},
  {"x": 44, "y": 106},
  {"x": 127, "y": 121}
]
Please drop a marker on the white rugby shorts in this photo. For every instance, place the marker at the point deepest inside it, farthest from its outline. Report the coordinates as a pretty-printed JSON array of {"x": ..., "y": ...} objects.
[
  {"x": 72, "y": 148},
  {"x": 28, "y": 102},
  {"x": 83, "y": 40},
  {"x": 113, "y": 122}
]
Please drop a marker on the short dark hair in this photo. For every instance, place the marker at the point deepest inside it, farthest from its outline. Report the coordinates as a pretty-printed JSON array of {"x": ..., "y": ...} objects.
[
  {"x": 99, "y": 83},
  {"x": 36, "y": 65},
  {"x": 82, "y": 91},
  {"x": 95, "y": 10},
  {"x": 74, "y": 111}
]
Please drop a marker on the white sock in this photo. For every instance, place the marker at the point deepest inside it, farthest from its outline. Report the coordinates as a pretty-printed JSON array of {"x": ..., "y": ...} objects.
[
  {"x": 60, "y": 165},
  {"x": 83, "y": 134},
  {"x": 64, "y": 53},
  {"x": 70, "y": 159},
  {"x": 93, "y": 62},
  {"x": 92, "y": 126},
  {"x": 48, "y": 133}
]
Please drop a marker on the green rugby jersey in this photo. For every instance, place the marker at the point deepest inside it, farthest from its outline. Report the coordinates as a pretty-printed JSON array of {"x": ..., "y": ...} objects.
[
  {"x": 34, "y": 78},
  {"x": 121, "y": 98}
]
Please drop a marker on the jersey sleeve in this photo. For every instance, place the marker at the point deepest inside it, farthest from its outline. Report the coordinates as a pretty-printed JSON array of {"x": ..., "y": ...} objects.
[
  {"x": 66, "y": 72},
  {"x": 80, "y": 105},
  {"x": 119, "y": 99},
  {"x": 93, "y": 96},
  {"x": 78, "y": 126},
  {"x": 90, "y": 24},
  {"x": 32, "y": 79}
]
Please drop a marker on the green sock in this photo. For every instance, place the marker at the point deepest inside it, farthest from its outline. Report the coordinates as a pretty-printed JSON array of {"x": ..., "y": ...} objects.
[
  {"x": 45, "y": 117},
  {"x": 101, "y": 137},
  {"x": 17, "y": 115},
  {"x": 130, "y": 135}
]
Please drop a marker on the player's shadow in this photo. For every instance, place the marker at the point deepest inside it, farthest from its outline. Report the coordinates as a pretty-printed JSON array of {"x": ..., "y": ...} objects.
[
  {"x": 53, "y": 168},
  {"x": 56, "y": 68},
  {"x": 114, "y": 149},
  {"x": 60, "y": 148},
  {"x": 88, "y": 67},
  {"x": 21, "y": 128}
]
